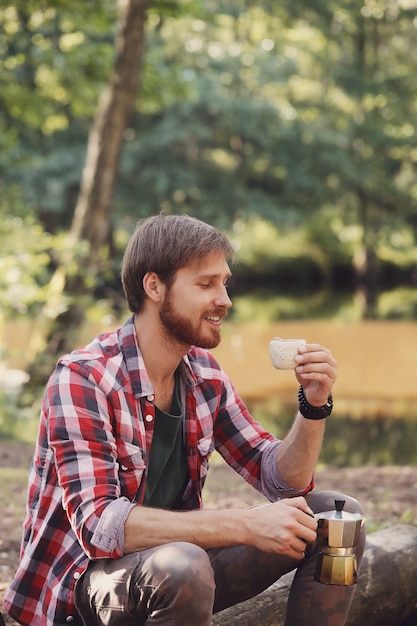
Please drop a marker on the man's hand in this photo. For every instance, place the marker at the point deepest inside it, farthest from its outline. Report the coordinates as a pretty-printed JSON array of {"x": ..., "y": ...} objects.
[
  {"x": 316, "y": 372},
  {"x": 283, "y": 527}
]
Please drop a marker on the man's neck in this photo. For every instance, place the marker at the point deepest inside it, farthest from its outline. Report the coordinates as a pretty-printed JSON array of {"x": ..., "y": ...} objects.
[{"x": 161, "y": 355}]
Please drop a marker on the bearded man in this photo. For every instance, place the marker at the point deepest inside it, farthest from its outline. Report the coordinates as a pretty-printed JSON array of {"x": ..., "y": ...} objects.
[{"x": 115, "y": 531}]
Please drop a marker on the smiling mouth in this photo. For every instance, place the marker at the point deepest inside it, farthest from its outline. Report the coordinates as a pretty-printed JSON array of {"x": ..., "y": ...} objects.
[
  {"x": 213, "y": 318},
  {"x": 216, "y": 318}
]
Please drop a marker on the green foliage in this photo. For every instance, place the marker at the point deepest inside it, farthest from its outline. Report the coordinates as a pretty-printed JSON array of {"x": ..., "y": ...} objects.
[
  {"x": 272, "y": 305},
  {"x": 17, "y": 422},
  {"x": 24, "y": 258},
  {"x": 55, "y": 59},
  {"x": 400, "y": 304},
  {"x": 280, "y": 117},
  {"x": 408, "y": 517},
  {"x": 297, "y": 114},
  {"x": 28, "y": 258}
]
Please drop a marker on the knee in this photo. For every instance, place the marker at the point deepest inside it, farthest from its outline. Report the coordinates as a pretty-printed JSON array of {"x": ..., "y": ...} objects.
[
  {"x": 183, "y": 563},
  {"x": 325, "y": 501}
]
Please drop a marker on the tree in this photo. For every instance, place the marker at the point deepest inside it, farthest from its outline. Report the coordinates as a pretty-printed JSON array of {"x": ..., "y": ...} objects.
[
  {"x": 55, "y": 58},
  {"x": 362, "y": 143},
  {"x": 297, "y": 113},
  {"x": 91, "y": 223}
]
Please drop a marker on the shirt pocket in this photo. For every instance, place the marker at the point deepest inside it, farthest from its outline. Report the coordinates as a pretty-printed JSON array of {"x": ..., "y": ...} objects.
[{"x": 132, "y": 467}]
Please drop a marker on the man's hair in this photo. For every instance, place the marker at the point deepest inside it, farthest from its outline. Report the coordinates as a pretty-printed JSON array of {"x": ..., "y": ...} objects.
[{"x": 163, "y": 244}]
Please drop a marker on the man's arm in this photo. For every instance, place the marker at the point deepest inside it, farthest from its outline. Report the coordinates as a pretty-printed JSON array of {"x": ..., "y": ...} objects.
[
  {"x": 298, "y": 453},
  {"x": 282, "y": 527}
]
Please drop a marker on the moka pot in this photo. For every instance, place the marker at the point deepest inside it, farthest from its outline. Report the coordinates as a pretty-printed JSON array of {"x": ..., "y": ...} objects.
[{"x": 338, "y": 535}]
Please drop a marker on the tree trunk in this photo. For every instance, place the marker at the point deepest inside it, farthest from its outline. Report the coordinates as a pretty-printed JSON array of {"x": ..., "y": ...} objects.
[
  {"x": 91, "y": 216},
  {"x": 385, "y": 595},
  {"x": 366, "y": 262},
  {"x": 91, "y": 220}
]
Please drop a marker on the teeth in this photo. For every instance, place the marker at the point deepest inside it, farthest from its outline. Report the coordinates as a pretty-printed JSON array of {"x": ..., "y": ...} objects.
[{"x": 213, "y": 318}]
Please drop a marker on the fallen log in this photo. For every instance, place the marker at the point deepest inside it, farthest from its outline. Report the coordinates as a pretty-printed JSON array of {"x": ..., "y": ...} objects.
[{"x": 385, "y": 595}]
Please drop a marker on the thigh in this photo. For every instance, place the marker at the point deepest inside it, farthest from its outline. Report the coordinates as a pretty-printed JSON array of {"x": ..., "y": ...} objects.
[
  {"x": 102, "y": 594},
  {"x": 121, "y": 591},
  {"x": 241, "y": 572},
  {"x": 171, "y": 583}
]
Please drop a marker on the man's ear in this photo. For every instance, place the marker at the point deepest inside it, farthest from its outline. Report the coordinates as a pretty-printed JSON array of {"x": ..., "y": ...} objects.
[{"x": 153, "y": 286}]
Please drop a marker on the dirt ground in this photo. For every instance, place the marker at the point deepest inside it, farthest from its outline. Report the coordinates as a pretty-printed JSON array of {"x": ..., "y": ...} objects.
[{"x": 387, "y": 494}]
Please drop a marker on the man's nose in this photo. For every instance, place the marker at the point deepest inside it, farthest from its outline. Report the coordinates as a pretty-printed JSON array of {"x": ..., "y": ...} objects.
[{"x": 223, "y": 299}]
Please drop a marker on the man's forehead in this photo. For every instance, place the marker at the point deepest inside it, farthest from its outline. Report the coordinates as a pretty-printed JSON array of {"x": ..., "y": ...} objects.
[{"x": 213, "y": 265}]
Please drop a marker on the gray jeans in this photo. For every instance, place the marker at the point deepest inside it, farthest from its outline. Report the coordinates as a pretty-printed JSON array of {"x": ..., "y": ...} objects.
[{"x": 180, "y": 584}]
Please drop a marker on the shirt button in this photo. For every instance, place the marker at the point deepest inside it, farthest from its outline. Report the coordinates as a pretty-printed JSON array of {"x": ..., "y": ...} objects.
[
  {"x": 76, "y": 576},
  {"x": 124, "y": 468},
  {"x": 149, "y": 418},
  {"x": 150, "y": 398},
  {"x": 69, "y": 618}
]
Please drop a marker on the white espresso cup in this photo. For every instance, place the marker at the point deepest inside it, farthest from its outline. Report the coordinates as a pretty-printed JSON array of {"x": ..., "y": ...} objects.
[{"x": 283, "y": 351}]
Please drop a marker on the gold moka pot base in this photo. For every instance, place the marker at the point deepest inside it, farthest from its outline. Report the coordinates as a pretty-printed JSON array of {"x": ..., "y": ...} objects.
[{"x": 336, "y": 569}]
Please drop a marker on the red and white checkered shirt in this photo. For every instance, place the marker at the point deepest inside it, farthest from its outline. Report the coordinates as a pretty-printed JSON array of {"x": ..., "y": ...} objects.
[{"x": 89, "y": 466}]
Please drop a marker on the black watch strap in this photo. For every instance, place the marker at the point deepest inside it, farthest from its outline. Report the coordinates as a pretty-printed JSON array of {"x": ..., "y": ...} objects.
[{"x": 311, "y": 412}]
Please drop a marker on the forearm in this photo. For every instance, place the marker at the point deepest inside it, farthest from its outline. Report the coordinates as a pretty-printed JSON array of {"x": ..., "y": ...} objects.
[
  {"x": 299, "y": 452},
  {"x": 146, "y": 527},
  {"x": 282, "y": 527}
]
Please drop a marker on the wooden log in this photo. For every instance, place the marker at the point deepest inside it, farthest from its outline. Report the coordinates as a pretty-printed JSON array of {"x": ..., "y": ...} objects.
[{"x": 385, "y": 595}]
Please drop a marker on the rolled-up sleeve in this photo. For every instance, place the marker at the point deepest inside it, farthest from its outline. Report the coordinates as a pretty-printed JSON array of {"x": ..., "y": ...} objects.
[
  {"x": 109, "y": 534},
  {"x": 273, "y": 485}
]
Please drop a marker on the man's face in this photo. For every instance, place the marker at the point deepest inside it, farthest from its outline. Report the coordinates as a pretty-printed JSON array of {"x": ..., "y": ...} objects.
[{"x": 196, "y": 302}]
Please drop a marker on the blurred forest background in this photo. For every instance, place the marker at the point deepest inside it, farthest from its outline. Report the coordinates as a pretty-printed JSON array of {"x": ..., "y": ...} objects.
[{"x": 291, "y": 126}]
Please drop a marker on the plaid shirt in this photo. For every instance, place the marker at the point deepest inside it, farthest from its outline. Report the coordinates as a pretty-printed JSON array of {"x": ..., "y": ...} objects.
[{"x": 90, "y": 462}]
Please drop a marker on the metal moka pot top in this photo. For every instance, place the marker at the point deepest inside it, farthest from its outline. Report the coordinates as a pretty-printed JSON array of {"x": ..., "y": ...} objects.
[{"x": 338, "y": 528}]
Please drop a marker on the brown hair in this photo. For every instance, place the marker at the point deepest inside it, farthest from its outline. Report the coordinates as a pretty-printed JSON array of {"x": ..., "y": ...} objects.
[{"x": 163, "y": 244}]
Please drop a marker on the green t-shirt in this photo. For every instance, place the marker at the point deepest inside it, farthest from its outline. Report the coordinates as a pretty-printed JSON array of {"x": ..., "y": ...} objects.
[{"x": 168, "y": 470}]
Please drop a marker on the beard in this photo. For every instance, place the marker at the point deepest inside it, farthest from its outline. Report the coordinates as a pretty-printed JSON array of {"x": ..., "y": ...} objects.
[{"x": 180, "y": 328}]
